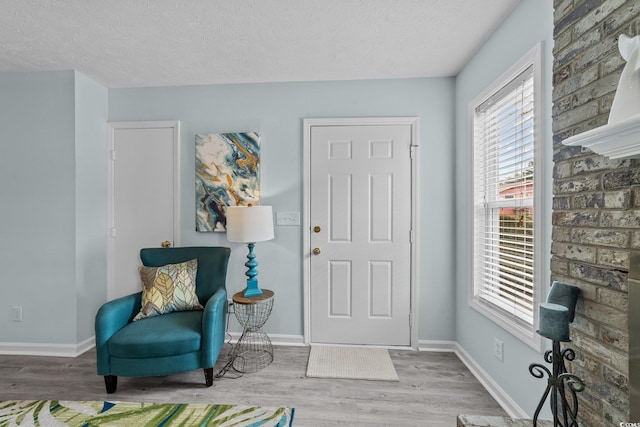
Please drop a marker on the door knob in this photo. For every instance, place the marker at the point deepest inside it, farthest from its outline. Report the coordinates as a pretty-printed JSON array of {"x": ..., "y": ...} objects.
[
  {"x": 316, "y": 251},
  {"x": 316, "y": 229},
  {"x": 166, "y": 244}
]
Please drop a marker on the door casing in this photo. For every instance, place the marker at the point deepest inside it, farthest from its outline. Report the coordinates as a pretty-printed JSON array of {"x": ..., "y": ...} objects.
[{"x": 308, "y": 124}]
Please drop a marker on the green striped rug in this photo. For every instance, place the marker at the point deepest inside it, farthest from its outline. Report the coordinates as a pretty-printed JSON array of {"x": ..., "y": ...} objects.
[{"x": 47, "y": 413}]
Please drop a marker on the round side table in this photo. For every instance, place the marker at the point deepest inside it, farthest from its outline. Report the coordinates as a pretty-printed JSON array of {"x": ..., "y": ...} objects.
[{"x": 254, "y": 350}]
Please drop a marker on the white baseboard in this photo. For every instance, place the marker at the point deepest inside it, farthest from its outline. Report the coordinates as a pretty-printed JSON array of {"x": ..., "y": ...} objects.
[
  {"x": 281, "y": 339},
  {"x": 503, "y": 399},
  {"x": 75, "y": 350},
  {"x": 276, "y": 339},
  {"x": 434, "y": 345},
  {"x": 41, "y": 349}
]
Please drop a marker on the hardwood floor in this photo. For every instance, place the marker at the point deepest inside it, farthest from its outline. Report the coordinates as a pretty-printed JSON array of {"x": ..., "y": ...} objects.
[{"x": 433, "y": 388}]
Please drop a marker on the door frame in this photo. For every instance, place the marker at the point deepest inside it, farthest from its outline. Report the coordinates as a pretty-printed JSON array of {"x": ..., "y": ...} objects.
[
  {"x": 308, "y": 124},
  {"x": 111, "y": 156}
]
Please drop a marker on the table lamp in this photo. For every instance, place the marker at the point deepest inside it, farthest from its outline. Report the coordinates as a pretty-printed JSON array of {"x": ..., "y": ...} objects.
[{"x": 250, "y": 224}]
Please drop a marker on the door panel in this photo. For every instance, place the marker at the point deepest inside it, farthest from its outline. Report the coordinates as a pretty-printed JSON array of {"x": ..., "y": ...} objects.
[
  {"x": 360, "y": 197},
  {"x": 381, "y": 196},
  {"x": 340, "y": 208},
  {"x": 340, "y": 289},
  {"x": 142, "y": 198},
  {"x": 381, "y": 288}
]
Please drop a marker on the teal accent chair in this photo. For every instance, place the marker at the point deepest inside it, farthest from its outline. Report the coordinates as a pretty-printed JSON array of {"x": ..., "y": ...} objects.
[{"x": 168, "y": 343}]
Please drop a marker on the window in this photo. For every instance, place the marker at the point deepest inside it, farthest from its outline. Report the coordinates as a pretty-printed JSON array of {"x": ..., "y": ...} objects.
[{"x": 506, "y": 195}]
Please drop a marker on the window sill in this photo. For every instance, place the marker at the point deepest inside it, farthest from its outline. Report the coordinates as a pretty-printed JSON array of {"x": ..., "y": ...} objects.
[{"x": 508, "y": 322}]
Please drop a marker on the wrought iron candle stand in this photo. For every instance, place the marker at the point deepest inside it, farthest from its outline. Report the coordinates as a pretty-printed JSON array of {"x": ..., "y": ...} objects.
[
  {"x": 555, "y": 316},
  {"x": 565, "y": 411}
]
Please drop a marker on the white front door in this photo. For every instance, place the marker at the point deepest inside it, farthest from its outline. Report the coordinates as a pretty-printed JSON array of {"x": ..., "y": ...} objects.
[
  {"x": 143, "y": 197},
  {"x": 360, "y": 233}
]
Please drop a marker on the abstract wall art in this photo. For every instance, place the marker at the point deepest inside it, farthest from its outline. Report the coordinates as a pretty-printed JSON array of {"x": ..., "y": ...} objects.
[{"x": 227, "y": 174}]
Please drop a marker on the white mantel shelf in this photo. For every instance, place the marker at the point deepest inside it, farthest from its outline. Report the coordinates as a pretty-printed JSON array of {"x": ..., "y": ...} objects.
[{"x": 615, "y": 140}]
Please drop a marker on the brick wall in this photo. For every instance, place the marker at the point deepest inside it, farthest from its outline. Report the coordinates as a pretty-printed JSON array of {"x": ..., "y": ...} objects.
[{"x": 596, "y": 204}]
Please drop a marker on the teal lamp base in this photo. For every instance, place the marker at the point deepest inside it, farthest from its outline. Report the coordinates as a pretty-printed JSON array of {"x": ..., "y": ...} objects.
[{"x": 252, "y": 289}]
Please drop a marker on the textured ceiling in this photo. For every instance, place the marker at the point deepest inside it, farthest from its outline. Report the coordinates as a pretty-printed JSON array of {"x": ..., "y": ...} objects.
[{"x": 131, "y": 43}]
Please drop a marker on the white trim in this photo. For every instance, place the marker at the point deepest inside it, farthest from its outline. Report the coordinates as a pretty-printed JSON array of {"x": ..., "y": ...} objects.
[
  {"x": 524, "y": 333},
  {"x": 42, "y": 349},
  {"x": 388, "y": 347},
  {"x": 111, "y": 128},
  {"x": 306, "y": 226},
  {"x": 541, "y": 248},
  {"x": 508, "y": 323},
  {"x": 503, "y": 399},
  {"x": 437, "y": 346},
  {"x": 415, "y": 231},
  {"x": 614, "y": 140},
  {"x": 306, "y": 205},
  {"x": 276, "y": 339},
  {"x": 292, "y": 340}
]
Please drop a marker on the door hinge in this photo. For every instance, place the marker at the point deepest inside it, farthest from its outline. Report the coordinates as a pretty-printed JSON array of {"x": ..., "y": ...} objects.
[
  {"x": 410, "y": 320},
  {"x": 411, "y": 236},
  {"x": 412, "y": 150},
  {"x": 113, "y": 232},
  {"x": 113, "y": 155}
]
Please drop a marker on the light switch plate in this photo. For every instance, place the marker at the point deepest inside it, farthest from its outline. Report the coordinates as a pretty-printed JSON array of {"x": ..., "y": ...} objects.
[{"x": 287, "y": 218}]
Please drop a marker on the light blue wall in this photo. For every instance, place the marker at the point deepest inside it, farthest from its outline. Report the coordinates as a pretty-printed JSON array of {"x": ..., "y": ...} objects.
[
  {"x": 530, "y": 22},
  {"x": 37, "y": 218},
  {"x": 53, "y": 216},
  {"x": 277, "y": 111},
  {"x": 91, "y": 104}
]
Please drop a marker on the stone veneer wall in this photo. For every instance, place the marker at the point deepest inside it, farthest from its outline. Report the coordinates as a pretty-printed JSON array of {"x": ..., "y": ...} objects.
[{"x": 596, "y": 204}]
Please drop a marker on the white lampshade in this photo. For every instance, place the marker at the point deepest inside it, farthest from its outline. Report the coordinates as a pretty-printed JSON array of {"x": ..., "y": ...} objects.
[{"x": 249, "y": 224}]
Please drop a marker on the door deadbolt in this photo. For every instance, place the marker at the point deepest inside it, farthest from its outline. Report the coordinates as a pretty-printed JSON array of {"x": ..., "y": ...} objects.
[
  {"x": 316, "y": 251},
  {"x": 316, "y": 229}
]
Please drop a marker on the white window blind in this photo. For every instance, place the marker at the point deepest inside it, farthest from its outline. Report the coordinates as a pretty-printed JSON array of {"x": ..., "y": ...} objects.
[{"x": 503, "y": 198}]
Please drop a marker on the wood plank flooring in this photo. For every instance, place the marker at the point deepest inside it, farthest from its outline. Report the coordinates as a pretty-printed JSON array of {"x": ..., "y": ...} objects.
[{"x": 433, "y": 388}]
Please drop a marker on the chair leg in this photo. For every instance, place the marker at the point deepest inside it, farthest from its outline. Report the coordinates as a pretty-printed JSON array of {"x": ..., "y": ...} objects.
[
  {"x": 208, "y": 376},
  {"x": 111, "y": 381}
]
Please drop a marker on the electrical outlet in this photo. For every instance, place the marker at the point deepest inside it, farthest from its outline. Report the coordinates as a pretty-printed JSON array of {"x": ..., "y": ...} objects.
[
  {"x": 16, "y": 313},
  {"x": 498, "y": 349}
]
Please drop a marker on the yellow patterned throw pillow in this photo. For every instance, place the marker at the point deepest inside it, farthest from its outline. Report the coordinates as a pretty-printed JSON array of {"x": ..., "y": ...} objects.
[{"x": 171, "y": 287}]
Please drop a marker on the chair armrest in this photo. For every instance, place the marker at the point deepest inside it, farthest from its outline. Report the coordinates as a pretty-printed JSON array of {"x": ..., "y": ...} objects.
[
  {"x": 214, "y": 327},
  {"x": 112, "y": 317}
]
